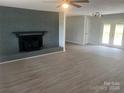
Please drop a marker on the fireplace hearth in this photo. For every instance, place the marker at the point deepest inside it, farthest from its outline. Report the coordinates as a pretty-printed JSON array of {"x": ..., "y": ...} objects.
[{"x": 30, "y": 40}]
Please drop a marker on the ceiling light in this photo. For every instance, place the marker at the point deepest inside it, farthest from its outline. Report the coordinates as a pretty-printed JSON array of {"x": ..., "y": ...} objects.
[{"x": 65, "y": 5}]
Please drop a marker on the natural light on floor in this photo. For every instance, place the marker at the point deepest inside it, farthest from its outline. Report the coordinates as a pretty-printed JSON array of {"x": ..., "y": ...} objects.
[
  {"x": 118, "y": 34},
  {"x": 106, "y": 33}
]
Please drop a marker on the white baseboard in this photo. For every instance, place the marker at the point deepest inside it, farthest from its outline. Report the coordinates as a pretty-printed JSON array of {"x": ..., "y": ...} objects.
[{"x": 74, "y": 42}]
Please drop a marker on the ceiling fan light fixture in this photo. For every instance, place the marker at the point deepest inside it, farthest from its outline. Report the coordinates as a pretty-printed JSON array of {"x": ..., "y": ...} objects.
[{"x": 65, "y": 5}]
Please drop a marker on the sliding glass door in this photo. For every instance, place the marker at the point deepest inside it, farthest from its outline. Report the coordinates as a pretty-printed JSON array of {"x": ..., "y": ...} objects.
[{"x": 113, "y": 34}]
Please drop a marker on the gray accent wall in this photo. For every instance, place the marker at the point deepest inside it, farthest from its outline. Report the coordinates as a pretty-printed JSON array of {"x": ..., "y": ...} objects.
[{"x": 15, "y": 19}]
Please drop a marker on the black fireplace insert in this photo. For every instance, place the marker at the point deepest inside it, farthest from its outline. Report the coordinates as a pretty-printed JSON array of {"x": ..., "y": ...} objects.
[{"x": 30, "y": 40}]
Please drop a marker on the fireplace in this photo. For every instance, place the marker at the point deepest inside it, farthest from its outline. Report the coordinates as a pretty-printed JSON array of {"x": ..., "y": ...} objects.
[{"x": 30, "y": 41}]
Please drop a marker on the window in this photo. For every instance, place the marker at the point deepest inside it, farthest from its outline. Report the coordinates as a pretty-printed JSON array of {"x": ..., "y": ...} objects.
[
  {"x": 106, "y": 33},
  {"x": 118, "y": 34}
]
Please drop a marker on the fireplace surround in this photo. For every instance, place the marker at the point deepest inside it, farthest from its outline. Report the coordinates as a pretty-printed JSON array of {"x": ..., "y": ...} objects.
[{"x": 30, "y": 40}]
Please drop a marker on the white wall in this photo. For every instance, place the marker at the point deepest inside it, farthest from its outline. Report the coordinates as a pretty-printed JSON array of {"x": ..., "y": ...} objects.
[
  {"x": 75, "y": 29},
  {"x": 96, "y": 26},
  {"x": 94, "y": 30}
]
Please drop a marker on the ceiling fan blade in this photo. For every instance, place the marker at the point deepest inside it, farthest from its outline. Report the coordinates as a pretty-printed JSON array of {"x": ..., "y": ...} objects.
[
  {"x": 51, "y": 1},
  {"x": 80, "y": 1},
  {"x": 76, "y": 5},
  {"x": 59, "y": 6}
]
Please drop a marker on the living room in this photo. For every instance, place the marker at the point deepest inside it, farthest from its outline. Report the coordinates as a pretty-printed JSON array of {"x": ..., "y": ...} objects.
[{"x": 61, "y": 46}]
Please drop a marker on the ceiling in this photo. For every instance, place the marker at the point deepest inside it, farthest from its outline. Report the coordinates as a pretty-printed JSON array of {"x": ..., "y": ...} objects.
[{"x": 103, "y": 6}]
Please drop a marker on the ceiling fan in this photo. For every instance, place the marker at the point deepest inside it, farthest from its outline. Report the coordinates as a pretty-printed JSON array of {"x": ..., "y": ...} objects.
[{"x": 75, "y": 3}]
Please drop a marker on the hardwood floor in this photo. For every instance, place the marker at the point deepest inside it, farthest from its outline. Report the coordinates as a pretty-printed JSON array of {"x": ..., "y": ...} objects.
[{"x": 81, "y": 69}]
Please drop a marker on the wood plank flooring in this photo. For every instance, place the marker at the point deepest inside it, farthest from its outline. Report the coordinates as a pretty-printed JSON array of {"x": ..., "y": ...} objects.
[{"x": 81, "y": 69}]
